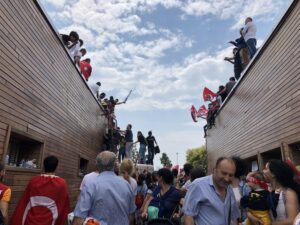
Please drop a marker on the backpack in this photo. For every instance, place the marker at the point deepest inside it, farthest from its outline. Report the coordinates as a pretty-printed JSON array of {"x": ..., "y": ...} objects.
[{"x": 139, "y": 198}]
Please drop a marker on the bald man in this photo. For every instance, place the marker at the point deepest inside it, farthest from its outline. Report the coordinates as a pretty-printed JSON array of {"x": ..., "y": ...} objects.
[
  {"x": 210, "y": 200},
  {"x": 109, "y": 198}
]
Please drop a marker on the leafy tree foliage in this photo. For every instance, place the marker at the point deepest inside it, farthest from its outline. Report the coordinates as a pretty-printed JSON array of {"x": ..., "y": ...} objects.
[
  {"x": 165, "y": 161},
  {"x": 197, "y": 157}
]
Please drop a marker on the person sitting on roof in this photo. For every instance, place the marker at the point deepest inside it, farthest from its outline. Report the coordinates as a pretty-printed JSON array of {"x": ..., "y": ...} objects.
[
  {"x": 242, "y": 47},
  {"x": 237, "y": 62},
  {"x": 222, "y": 94},
  {"x": 86, "y": 68},
  {"x": 67, "y": 39},
  {"x": 78, "y": 55},
  {"x": 228, "y": 87}
]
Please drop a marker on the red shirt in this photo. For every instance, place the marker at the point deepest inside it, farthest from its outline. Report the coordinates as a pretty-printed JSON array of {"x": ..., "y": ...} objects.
[{"x": 86, "y": 69}]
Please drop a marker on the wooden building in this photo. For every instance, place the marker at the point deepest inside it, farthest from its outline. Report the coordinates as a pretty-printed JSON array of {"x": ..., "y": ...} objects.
[
  {"x": 260, "y": 119},
  {"x": 46, "y": 107}
]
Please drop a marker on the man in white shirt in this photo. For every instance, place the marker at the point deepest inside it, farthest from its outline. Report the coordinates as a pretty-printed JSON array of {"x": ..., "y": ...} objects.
[
  {"x": 95, "y": 88},
  {"x": 249, "y": 34}
]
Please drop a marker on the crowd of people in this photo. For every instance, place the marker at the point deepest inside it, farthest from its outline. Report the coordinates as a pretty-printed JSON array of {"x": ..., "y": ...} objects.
[
  {"x": 121, "y": 143},
  {"x": 243, "y": 52},
  {"x": 117, "y": 193}
]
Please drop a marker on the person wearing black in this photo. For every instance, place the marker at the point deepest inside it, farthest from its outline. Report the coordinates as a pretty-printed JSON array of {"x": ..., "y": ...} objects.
[
  {"x": 237, "y": 63},
  {"x": 129, "y": 141},
  {"x": 143, "y": 143},
  {"x": 151, "y": 140},
  {"x": 116, "y": 138}
]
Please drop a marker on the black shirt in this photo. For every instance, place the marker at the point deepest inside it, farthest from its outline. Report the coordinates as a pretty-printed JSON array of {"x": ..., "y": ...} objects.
[
  {"x": 142, "y": 140},
  {"x": 256, "y": 200},
  {"x": 150, "y": 141}
]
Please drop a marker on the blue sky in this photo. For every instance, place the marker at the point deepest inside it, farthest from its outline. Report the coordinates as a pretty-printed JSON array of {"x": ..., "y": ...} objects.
[{"x": 167, "y": 51}]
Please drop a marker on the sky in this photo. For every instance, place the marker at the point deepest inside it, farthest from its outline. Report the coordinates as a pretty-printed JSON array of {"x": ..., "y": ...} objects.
[{"x": 167, "y": 51}]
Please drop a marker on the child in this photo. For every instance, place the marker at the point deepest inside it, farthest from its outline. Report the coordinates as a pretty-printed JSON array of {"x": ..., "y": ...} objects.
[{"x": 257, "y": 200}]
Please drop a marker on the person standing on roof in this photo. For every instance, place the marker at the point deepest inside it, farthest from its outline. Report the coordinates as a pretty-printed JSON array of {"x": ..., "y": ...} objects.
[
  {"x": 129, "y": 141},
  {"x": 151, "y": 140},
  {"x": 249, "y": 34}
]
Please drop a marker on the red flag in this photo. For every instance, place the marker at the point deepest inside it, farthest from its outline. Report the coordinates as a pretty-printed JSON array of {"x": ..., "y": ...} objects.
[
  {"x": 295, "y": 170},
  {"x": 194, "y": 113},
  {"x": 208, "y": 95},
  {"x": 202, "y": 112},
  {"x": 86, "y": 69},
  {"x": 45, "y": 201},
  {"x": 176, "y": 167}
]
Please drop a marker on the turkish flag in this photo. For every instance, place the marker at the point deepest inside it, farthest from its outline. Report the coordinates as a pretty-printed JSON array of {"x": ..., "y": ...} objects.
[
  {"x": 86, "y": 69},
  {"x": 194, "y": 113},
  {"x": 208, "y": 95},
  {"x": 202, "y": 112},
  {"x": 45, "y": 201}
]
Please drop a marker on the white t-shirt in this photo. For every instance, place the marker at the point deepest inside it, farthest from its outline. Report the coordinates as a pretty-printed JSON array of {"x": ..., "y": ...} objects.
[
  {"x": 249, "y": 31},
  {"x": 281, "y": 213},
  {"x": 74, "y": 51},
  {"x": 133, "y": 185},
  {"x": 95, "y": 89},
  {"x": 88, "y": 178},
  {"x": 237, "y": 195}
]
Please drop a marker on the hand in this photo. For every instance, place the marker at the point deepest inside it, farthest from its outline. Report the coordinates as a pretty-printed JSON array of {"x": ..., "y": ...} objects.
[
  {"x": 144, "y": 215},
  {"x": 226, "y": 59}
]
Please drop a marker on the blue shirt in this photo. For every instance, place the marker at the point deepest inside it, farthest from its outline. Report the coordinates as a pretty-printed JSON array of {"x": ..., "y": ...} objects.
[
  {"x": 108, "y": 198},
  {"x": 166, "y": 203},
  {"x": 205, "y": 205},
  {"x": 128, "y": 136}
]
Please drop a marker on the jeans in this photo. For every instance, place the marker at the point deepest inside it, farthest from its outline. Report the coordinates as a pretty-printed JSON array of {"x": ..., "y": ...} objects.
[
  {"x": 142, "y": 152},
  {"x": 128, "y": 148},
  {"x": 121, "y": 155},
  {"x": 150, "y": 155},
  {"x": 251, "y": 43}
]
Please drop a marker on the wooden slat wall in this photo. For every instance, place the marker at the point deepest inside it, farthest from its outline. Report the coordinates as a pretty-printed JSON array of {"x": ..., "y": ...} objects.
[
  {"x": 264, "y": 110},
  {"x": 42, "y": 94}
]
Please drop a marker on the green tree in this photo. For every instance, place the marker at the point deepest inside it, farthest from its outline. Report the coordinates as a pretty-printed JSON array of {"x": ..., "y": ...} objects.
[
  {"x": 134, "y": 154},
  {"x": 165, "y": 161},
  {"x": 197, "y": 157}
]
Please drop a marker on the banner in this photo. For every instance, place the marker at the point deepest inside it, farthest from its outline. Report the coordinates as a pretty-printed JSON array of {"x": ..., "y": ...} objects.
[
  {"x": 202, "y": 112},
  {"x": 194, "y": 113}
]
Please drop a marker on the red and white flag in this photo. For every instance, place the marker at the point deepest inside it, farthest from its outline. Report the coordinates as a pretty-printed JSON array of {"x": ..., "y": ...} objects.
[
  {"x": 45, "y": 201},
  {"x": 202, "y": 112},
  {"x": 194, "y": 113},
  {"x": 208, "y": 95}
]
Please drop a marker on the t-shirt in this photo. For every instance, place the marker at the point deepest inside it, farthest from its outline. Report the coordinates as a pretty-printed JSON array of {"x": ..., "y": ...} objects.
[
  {"x": 166, "y": 203},
  {"x": 133, "y": 185},
  {"x": 142, "y": 140},
  {"x": 256, "y": 200},
  {"x": 229, "y": 86},
  {"x": 74, "y": 50},
  {"x": 85, "y": 69},
  {"x": 249, "y": 31},
  {"x": 150, "y": 141},
  {"x": 95, "y": 89},
  {"x": 129, "y": 136}
]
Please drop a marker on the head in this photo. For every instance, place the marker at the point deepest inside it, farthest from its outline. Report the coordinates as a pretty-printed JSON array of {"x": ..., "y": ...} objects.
[
  {"x": 139, "y": 133},
  {"x": 256, "y": 180},
  {"x": 234, "y": 51},
  {"x": 73, "y": 36},
  {"x": 106, "y": 161},
  {"x": 80, "y": 42},
  {"x": 98, "y": 83},
  {"x": 83, "y": 51},
  {"x": 221, "y": 87},
  {"x": 50, "y": 164},
  {"x": 87, "y": 60},
  {"x": 165, "y": 177},
  {"x": 150, "y": 133},
  {"x": 129, "y": 126},
  {"x": 248, "y": 19},
  {"x": 232, "y": 79},
  {"x": 241, "y": 167},
  {"x": 102, "y": 95},
  {"x": 223, "y": 172},
  {"x": 197, "y": 173},
  {"x": 175, "y": 172},
  {"x": 148, "y": 178},
  {"x": 141, "y": 179},
  {"x": 187, "y": 169},
  {"x": 2, "y": 172},
  {"x": 154, "y": 176},
  {"x": 126, "y": 167}
]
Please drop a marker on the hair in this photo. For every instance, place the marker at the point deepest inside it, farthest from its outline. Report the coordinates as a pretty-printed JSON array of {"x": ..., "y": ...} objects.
[
  {"x": 175, "y": 172},
  {"x": 241, "y": 167},
  {"x": 258, "y": 175},
  {"x": 126, "y": 169},
  {"x": 1, "y": 167},
  {"x": 150, "y": 132},
  {"x": 141, "y": 178},
  {"x": 187, "y": 168},
  {"x": 80, "y": 42},
  {"x": 284, "y": 175},
  {"x": 197, "y": 173},
  {"x": 221, "y": 87},
  {"x": 154, "y": 176},
  {"x": 129, "y": 125},
  {"x": 50, "y": 164},
  {"x": 232, "y": 79},
  {"x": 219, "y": 160},
  {"x": 148, "y": 179},
  {"x": 83, "y": 51},
  {"x": 74, "y": 34},
  {"x": 106, "y": 162},
  {"x": 249, "y": 18},
  {"x": 166, "y": 175}
]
